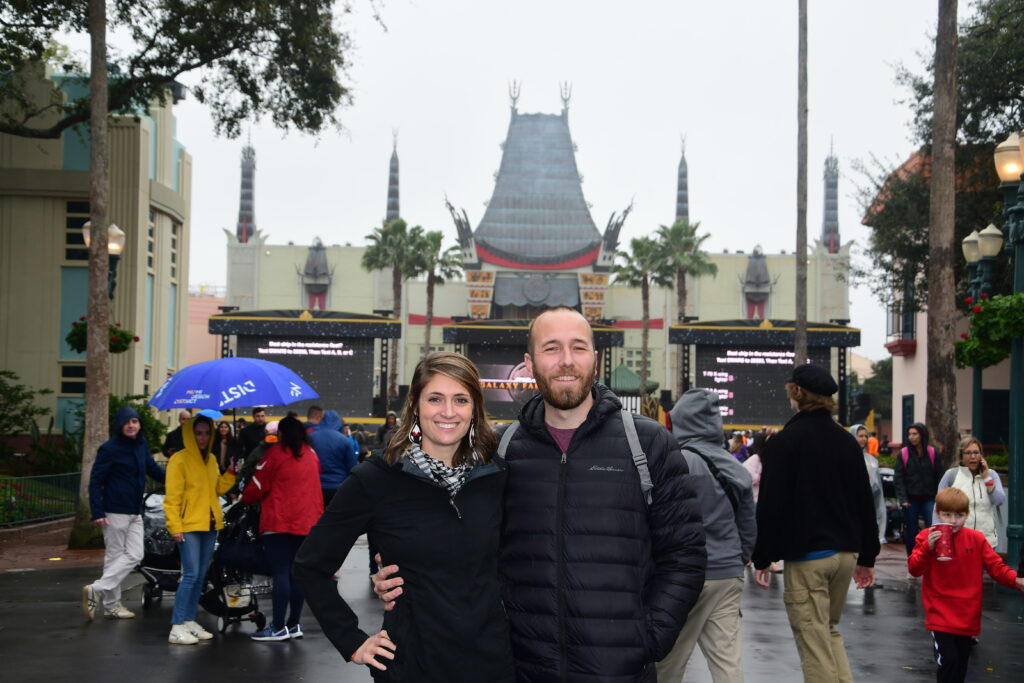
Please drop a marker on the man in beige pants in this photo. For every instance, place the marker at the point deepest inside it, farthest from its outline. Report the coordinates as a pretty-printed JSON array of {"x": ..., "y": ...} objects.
[{"x": 815, "y": 511}]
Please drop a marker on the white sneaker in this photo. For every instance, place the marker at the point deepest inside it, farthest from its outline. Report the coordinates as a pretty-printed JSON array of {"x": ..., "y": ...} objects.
[
  {"x": 197, "y": 630},
  {"x": 119, "y": 611},
  {"x": 88, "y": 602},
  {"x": 181, "y": 636}
]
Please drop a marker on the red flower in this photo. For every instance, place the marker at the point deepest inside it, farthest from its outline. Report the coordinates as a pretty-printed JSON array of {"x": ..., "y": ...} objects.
[
  {"x": 113, "y": 339},
  {"x": 963, "y": 335},
  {"x": 135, "y": 338},
  {"x": 117, "y": 324},
  {"x": 82, "y": 318},
  {"x": 969, "y": 300},
  {"x": 976, "y": 309},
  {"x": 984, "y": 295},
  {"x": 74, "y": 324}
]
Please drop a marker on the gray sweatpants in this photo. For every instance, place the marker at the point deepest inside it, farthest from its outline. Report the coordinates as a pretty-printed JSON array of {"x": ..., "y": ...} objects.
[{"x": 123, "y": 540}]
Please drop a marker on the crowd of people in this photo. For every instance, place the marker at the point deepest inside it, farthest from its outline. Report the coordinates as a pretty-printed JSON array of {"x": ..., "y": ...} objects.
[{"x": 578, "y": 543}]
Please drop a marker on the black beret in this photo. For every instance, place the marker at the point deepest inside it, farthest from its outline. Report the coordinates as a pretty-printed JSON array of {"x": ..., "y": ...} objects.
[{"x": 815, "y": 379}]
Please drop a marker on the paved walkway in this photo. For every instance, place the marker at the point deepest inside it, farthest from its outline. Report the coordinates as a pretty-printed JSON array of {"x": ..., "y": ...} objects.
[{"x": 45, "y": 637}]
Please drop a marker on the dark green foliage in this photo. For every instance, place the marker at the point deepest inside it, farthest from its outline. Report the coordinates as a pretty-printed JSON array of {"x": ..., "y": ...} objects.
[
  {"x": 280, "y": 58},
  {"x": 896, "y": 208},
  {"x": 990, "y": 76},
  {"x": 18, "y": 409},
  {"x": 152, "y": 428},
  {"x": 995, "y": 323},
  {"x": 879, "y": 386}
]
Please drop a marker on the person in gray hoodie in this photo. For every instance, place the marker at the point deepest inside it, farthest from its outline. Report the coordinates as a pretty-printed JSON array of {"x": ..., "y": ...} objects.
[{"x": 731, "y": 529}]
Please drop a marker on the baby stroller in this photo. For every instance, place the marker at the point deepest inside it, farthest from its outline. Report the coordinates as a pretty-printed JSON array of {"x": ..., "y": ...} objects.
[
  {"x": 238, "y": 574},
  {"x": 161, "y": 565},
  {"x": 893, "y": 511}
]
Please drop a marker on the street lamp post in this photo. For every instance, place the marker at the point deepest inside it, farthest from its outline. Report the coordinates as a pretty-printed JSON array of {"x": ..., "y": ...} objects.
[
  {"x": 980, "y": 250},
  {"x": 1015, "y": 245},
  {"x": 115, "y": 245}
]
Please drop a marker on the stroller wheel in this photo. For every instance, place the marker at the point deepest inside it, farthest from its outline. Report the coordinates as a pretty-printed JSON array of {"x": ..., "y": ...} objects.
[
  {"x": 259, "y": 620},
  {"x": 222, "y": 624},
  {"x": 151, "y": 594}
]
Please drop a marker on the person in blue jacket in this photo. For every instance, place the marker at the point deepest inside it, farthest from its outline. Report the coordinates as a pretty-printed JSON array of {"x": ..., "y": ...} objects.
[
  {"x": 336, "y": 453},
  {"x": 116, "y": 486}
]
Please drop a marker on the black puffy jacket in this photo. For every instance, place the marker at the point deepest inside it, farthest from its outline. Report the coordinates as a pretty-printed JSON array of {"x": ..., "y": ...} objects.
[
  {"x": 596, "y": 584},
  {"x": 448, "y": 626}
]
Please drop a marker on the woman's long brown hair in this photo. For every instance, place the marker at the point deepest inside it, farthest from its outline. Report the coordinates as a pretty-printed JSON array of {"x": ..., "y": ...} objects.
[{"x": 461, "y": 369}]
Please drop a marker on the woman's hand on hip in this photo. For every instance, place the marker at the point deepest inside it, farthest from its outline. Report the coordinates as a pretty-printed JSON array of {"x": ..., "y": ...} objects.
[
  {"x": 178, "y": 538},
  {"x": 378, "y": 645}
]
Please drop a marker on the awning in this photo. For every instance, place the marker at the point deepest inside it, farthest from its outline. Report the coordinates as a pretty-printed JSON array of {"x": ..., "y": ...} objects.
[{"x": 762, "y": 333}]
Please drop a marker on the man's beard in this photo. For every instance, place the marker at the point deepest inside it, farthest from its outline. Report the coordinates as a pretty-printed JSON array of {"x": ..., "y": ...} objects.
[{"x": 568, "y": 397}]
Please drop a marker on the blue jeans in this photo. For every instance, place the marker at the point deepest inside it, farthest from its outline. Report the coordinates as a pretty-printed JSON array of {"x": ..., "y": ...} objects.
[
  {"x": 922, "y": 507},
  {"x": 196, "y": 552}
]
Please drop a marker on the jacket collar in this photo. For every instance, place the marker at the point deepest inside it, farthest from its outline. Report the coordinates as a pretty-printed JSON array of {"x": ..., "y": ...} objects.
[{"x": 606, "y": 403}]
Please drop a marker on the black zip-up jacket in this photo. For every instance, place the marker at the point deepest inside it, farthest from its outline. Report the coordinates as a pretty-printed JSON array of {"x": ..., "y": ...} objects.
[
  {"x": 449, "y": 624},
  {"x": 596, "y": 584},
  {"x": 815, "y": 493},
  {"x": 919, "y": 479}
]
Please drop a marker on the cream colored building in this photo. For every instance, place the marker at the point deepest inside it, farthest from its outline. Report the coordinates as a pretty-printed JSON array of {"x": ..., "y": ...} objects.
[{"x": 44, "y": 200}]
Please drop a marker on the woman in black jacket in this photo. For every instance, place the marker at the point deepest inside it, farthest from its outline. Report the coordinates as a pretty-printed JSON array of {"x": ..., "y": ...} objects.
[
  {"x": 432, "y": 504},
  {"x": 916, "y": 478}
]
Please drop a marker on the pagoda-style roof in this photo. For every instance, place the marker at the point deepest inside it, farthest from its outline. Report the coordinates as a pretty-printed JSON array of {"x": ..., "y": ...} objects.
[{"x": 537, "y": 217}]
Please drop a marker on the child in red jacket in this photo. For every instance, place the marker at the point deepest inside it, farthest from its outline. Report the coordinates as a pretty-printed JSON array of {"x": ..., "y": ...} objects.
[{"x": 951, "y": 589}]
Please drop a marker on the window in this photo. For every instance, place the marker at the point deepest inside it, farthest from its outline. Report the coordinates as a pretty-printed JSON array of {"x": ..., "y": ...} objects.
[
  {"x": 175, "y": 233},
  {"x": 632, "y": 358},
  {"x": 76, "y": 215},
  {"x": 150, "y": 240},
  {"x": 72, "y": 379},
  {"x": 900, "y": 322}
]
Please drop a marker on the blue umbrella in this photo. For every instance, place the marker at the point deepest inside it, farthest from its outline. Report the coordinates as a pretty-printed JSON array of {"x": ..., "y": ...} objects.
[{"x": 231, "y": 383}]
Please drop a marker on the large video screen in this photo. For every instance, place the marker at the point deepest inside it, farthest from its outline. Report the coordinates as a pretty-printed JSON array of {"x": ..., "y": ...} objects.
[
  {"x": 751, "y": 381},
  {"x": 340, "y": 370},
  {"x": 506, "y": 383}
]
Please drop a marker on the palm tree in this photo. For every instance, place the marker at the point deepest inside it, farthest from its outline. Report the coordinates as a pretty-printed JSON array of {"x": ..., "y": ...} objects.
[
  {"x": 643, "y": 266},
  {"x": 682, "y": 250},
  {"x": 439, "y": 266},
  {"x": 394, "y": 246}
]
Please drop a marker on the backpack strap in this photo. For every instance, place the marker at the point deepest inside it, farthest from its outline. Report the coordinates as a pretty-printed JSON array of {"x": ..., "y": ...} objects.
[
  {"x": 639, "y": 457},
  {"x": 722, "y": 480},
  {"x": 905, "y": 453},
  {"x": 931, "y": 454},
  {"x": 506, "y": 437}
]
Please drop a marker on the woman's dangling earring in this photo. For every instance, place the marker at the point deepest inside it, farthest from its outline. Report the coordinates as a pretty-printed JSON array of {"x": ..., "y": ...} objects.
[
  {"x": 472, "y": 433},
  {"x": 415, "y": 434}
]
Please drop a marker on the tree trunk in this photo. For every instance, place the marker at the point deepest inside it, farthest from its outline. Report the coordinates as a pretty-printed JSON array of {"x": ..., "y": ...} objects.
[
  {"x": 396, "y": 293},
  {"x": 681, "y": 307},
  {"x": 800, "y": 340},
  {"x": 645, "y": 298},
  {"x": 941, "y": 413},
  {"x": 97, "y": 355},
  {"x": 430, "y": 314}
]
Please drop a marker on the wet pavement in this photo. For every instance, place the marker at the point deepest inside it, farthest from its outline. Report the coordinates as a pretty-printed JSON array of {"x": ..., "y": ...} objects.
[{"x": 45, "y": 638}]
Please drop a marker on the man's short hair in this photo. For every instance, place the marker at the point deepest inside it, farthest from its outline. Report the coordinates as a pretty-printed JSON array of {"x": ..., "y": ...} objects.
[
  {"x": 314, "y": 412},
  {"x": 529, "y": 330},
  {"x": 952, "y": 500},
  {"x": 258, "y": 409}
]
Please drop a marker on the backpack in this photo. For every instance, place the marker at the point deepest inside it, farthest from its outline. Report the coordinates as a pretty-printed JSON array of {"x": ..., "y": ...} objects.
[
  {"x": 906, "y": 454},
  {"x": 639, "y": 457},
  {"x": 722, "y": 480}
]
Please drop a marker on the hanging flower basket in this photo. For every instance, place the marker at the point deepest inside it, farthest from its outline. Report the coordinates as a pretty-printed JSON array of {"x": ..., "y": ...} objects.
[
  {"x": 995, "y": 323},
  {"x": 120, "y": 338}
]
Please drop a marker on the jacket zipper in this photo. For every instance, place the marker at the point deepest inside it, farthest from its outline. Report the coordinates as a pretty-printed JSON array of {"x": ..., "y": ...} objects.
[{"x": 562, "y": 673}]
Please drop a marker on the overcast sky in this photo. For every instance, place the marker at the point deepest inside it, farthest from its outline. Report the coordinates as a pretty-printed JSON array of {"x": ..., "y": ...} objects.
[{"x": 642, "y": 75}]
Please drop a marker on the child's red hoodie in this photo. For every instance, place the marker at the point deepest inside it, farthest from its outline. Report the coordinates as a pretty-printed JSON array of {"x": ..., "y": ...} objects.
[{"x": 951, "y": 590}]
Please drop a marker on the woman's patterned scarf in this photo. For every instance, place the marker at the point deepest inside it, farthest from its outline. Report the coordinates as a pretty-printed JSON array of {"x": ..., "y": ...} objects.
[{"x": 451, "y": 478}]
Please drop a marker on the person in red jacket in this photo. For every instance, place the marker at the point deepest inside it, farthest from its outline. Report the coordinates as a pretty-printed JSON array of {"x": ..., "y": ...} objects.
[
  {"x": 287, "y": 482},
  {"x": 951, "y": 589}
]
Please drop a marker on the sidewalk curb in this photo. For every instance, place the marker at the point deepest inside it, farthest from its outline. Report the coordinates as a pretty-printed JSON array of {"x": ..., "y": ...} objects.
[{"x": 36, "y": 526}]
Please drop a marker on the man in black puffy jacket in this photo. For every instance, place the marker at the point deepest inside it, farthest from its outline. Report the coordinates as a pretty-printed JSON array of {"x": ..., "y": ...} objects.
[{"x": 597, "y": 582}]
